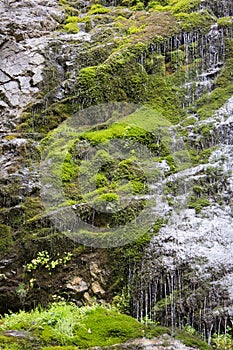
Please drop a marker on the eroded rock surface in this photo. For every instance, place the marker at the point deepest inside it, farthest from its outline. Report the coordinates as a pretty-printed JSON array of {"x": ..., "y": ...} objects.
[
  {"x": 26, "y": 28},
  {"x": 160, "y": 343}
]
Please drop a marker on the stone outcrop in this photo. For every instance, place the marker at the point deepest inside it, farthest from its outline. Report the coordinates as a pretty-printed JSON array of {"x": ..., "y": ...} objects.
[
  {"x": 26, "y": 28},
  {"x": 164, "y": 342}
]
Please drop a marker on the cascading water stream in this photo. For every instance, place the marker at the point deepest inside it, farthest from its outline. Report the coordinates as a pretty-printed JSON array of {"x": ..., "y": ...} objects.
[{"x": 184, "y": 276}]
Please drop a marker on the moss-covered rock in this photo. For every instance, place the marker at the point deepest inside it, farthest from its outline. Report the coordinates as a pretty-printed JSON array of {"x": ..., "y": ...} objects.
[{"x": 6, "y": 239}]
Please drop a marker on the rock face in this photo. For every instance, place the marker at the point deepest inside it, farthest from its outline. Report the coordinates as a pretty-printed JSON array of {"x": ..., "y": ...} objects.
[
  {"x": 195, "y": 245},
  {"x": 56, "y": 60},
  {"x": 160, "y": 343},
  {"x": 26, "y": 29}
]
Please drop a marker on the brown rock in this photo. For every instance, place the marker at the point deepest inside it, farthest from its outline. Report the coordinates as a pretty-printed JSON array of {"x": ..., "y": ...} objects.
[
  {"x": 96, "y": 288},
  {"x": 77, "y": 284}
]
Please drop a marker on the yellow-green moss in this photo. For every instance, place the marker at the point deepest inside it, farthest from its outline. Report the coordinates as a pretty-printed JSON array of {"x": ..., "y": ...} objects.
[
  {"x": 194, "y": 21},
  {"x": 98, "y": 9},
  {"x": 225, "y": 22},
  {"x": 71, "y": 28},
  {"x": 175, "y": 6}
]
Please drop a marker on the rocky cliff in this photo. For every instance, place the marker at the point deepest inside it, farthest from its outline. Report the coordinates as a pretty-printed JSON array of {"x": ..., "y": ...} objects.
[{"x": 175, "y": 57}]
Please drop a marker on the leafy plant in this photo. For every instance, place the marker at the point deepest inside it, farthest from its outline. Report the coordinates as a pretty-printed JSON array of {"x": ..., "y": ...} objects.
[
  {"x": 44, "y": 260},
  {"x": 222, "y": 341}
]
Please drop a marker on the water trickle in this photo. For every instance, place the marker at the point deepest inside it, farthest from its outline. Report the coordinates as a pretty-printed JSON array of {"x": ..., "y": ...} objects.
[
  {"x": 185, "y": 275},
  {"x": 196, "y": 58},
  {"x": 221, "y": 8}
]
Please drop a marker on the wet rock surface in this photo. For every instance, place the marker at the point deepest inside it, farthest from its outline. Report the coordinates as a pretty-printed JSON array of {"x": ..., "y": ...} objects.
[
  {"x": 190, "y": 260},
  {"x": 195, "y": 245},
  {"x": 160, "y": 343},
  {"x": 18, "y": 334},
  {"x": 26, "y": 27}
]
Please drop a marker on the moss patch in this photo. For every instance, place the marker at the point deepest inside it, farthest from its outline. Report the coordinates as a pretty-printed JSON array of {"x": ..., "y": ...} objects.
[
  {"x": 67, "y": 325},
  {"x": 6, "y": 240}
]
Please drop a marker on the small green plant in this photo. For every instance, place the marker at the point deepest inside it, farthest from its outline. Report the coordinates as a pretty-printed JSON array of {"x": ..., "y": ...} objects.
[
  {"x": 222, "y": 341},
  {"x": 198, "y": 203},
  {"x": 190, "y": 330},
  {"x": 22, "y": 292},
  {"x": 134, "y": 29},
  {"x": 43, "y": 260},
  {"x": 121, "y": 301}
]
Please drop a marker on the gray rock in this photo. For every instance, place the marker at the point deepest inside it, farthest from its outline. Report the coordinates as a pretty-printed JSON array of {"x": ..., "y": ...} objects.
[
  {"x": 18, "y": 334},
  {"x": 161, "y": 343},
  {"x": 77, "y": 284}
]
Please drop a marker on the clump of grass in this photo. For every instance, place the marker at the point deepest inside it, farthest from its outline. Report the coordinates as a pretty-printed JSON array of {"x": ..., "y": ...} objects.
[{"x": 65, "y": 324}]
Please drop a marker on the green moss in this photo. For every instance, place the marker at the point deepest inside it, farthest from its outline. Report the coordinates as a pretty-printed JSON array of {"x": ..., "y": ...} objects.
[
  {"x": 185, "y": 6},
  {"x": 70, "y": 7},
  {"x": 42, "y": 120},
  {"x": 176, "y": 59},
  {"x": 71, "y": 19},
  {"x": 171, "y": 162},
  {"x": 68, "y": 326},
  {"x": 225, "y": 77},
  {"x": 106, "y": 201},
  {"x": 69, "y": 168},
  {"x": 225, "y": 22},
  {"x": 100, "y": 180},
  {"x": 211, "y": 102},
  {"x": 98, "y": 9},
  {"x": 71, "y": 27},
  {"x": 193, "y": 341},
  {"x": 6, "y": 240},
  {"x": 107, "y": 328},
  {"x": 120, "y": 77},
  {"x": 189, "y": 121},
  {"x": 60, "y": 348},
  {"x": 144, "y": 118},
  {"x": 95, "y": 137},
  {"x": 175, "y": 6},
  {"x": 8, "y": 342},
  {"x": 198, "y": 203},
  {"x": 195, "y": 21},
  {"x": 111, "y": 80},
  {"x": 134, "y": 29},
  {"x": 152, "y": 331},
  {"x": 31, "y": 207},
  {"x": 138, "y": 7},
  {"x": 198, "y": 190}
]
